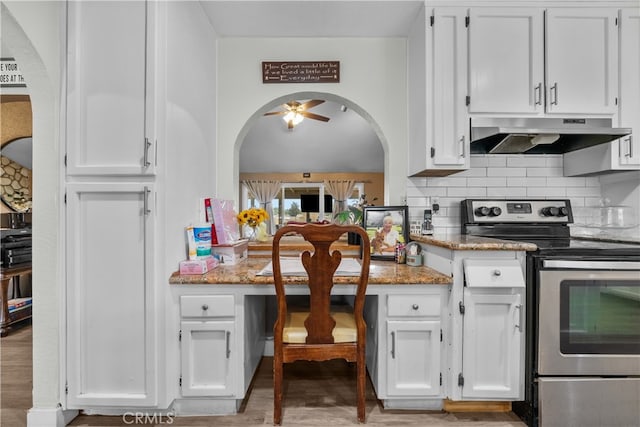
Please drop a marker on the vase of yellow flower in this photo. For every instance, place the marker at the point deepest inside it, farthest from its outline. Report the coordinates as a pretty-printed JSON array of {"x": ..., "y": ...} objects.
[{"x": 252, "y": 221}]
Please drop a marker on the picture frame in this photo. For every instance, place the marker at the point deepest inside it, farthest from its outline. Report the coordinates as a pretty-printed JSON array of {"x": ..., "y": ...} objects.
[{"x": 373, "y": 221}]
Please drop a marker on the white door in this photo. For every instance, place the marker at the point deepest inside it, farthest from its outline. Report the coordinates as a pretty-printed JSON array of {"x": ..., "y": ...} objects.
[
  {"x": 110, "y": 65},
  {"x": 506, "y": 60},
  {"x": 207, "y": 358},
  {"x": 582, "y": 60},
  {"x": 111, "y": 323},
  {"x": 629, "y": 150},
  {"x": 448, "y": 123},
  {"x": 413, "y": 358},
  {"x": 493, "y": 339}
]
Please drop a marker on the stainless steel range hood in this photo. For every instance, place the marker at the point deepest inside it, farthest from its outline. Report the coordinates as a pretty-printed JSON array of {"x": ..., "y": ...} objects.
[{"x": 540, "y": 135}]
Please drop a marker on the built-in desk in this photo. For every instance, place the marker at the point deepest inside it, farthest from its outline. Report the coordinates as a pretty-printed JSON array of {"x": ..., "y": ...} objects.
[{"x": 225, "y": 329}]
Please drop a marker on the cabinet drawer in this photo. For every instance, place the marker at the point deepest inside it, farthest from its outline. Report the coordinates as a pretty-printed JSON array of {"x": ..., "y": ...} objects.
[
  {"x": 487, "y": 273},
  {"x": 413, "y": 305},
  {"x": 207, "y": 306}
]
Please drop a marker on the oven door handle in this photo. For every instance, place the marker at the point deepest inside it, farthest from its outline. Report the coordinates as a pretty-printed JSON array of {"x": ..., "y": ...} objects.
[{"x": 590, "y": 265}]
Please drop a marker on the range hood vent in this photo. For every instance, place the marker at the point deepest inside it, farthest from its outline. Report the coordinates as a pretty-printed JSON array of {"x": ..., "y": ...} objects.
[{"x": 540, "y": 135}]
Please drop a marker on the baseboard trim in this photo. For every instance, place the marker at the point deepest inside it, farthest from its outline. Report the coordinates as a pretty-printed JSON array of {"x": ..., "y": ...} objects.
[
  {"x": 49, "y": 417},
  {"x": 476, "y": 406}
]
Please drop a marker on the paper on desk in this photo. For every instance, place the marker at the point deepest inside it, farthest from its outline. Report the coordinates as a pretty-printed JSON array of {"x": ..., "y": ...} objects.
[{"x": 292, "y": 266}]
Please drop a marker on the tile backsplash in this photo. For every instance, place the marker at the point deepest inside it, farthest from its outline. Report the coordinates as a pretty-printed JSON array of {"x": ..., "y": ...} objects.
[{"x": 501, "y": 176}]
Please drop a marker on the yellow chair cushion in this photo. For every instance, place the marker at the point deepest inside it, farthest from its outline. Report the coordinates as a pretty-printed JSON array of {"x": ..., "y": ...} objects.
[{"x": 295, "y": 332}]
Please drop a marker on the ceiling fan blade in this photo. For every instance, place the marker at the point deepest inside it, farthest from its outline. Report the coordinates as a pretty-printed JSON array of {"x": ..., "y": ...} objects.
[
  {"x": 310, "y": 104},
  {"x": 314, "y": 116},
  {"x": 276, "y": 113}
]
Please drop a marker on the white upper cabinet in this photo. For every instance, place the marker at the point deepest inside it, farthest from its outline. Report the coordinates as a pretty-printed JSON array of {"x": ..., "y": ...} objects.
[
  {"x": 438, "y": 118},
  {"x": 110, "y": 88},
  {"x": 624, "y": 153},
  {"x": 582, "y": 60},
  {"x": 506, "y": 54},
  {"x": 511, "y": 50},
  {"x": 629, "y": 147}
]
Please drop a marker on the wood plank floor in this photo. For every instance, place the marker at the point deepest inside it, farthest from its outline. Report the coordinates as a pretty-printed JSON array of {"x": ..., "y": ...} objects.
[{"x": 316, "y": 394}]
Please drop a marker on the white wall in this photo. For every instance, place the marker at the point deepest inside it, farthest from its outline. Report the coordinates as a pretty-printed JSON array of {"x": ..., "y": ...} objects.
[
  {"x": 372, "y": 75},
  {"x": 188, "y": 153},
  {"x": 32, "y": 32}
]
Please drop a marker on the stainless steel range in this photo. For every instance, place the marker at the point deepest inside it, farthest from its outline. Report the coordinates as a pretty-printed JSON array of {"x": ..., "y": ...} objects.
[{"x": 583, "y": 315}]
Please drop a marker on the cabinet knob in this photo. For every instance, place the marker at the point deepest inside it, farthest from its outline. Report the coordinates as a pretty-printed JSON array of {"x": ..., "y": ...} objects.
[
  {"x": 205, "y": 307},
  {"x": 497, "y": 273},
  {"x": 415, "y": 306}
]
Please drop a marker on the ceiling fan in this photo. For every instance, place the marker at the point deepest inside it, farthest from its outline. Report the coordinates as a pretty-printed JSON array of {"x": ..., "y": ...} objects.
[{"x": 295, "y": 111}]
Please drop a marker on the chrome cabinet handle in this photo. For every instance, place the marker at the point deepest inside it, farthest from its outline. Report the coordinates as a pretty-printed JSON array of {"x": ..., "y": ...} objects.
[
  {"x": 538, "y": 94},
  {"x": 519, "y": 324},
  {"x": 205, "y": 307},
  {"x": 415, "y": 306},
  {"x": 462, "y": 146},
  {"x": 497, "y": 273},
  {"x": 554, "y": 98},
  {"x": 630, "y": 150},
  {"x": 228, "y": 344},
  {"x": 393, "y": 345},
  {"x": 147, "y": 145},
  {"x": 145, "y": 207}
]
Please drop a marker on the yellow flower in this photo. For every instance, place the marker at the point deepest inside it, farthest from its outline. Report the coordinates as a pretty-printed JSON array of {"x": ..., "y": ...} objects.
[{"x": 253, "y": 217}]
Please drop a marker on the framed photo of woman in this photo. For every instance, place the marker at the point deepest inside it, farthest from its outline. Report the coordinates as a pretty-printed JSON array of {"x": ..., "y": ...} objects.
[{"x": 386, "y": 226}]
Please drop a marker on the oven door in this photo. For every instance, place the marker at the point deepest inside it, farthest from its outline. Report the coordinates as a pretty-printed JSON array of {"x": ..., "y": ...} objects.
[{"x": 589, "y": 318}]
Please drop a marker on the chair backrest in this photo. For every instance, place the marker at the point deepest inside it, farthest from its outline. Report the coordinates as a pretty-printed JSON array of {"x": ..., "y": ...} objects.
[{"x": 321, "y": 267}]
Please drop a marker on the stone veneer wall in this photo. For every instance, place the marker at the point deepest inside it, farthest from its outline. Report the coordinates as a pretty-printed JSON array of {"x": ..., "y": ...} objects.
[
  {"x": 501, "y": 176},
  {"x": 15, "y": 184}
]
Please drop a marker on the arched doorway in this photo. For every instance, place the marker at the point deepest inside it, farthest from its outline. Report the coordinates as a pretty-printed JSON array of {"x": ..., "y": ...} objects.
[{"x": 350, "y": 145}]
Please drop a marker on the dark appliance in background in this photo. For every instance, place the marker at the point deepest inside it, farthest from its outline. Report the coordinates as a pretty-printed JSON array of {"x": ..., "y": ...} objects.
[
  {"x": 582, "y": 315},
  {"x": 310, "y": 203},
  {"x": 16, "y": 247}
]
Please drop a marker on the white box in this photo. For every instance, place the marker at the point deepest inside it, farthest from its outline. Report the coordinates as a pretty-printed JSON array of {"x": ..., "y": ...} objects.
[
  {"x": 198, "y": 266},
  {"x": 232, "y": 253}
]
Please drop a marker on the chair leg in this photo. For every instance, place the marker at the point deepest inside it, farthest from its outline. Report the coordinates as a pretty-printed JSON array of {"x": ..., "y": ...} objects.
[
  {"x": 361, "y": 388},
  {"x": 277, "y": 391}
]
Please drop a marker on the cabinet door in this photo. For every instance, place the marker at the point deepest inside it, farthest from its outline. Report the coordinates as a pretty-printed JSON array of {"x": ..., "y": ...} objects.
[
  {"x": 207, "y": 358},
  {"x": 110, "y": 88},
  {"x": 492, "y": 351},
  {"x": 413, "y": 358},
  {"x": 629, "y": 149},
  {"x": 111, "y": 316},
  {"x": 506, "y": 55},
  {"x": 448, "y": 123},
  {"x": 581, "y": 60}
]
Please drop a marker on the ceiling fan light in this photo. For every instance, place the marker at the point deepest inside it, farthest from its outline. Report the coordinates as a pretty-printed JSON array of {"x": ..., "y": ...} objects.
[{"x": 293, "y": 117}]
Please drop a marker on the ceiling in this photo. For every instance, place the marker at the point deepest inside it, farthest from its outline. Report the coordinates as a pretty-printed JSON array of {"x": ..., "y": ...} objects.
[
  {"x": 346, "y": 143},
  {"x": 294, "y": 18}
]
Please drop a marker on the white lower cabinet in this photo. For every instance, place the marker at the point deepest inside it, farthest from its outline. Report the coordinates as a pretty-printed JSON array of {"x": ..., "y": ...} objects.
[
  {"x": 413, "y": 361},
  {"x": 112, "y": 318},
  {"x": 413, "y": 345},
  {"x": 492, "y": 336},
  {"x": 208, "y": 345},
  {"x": 207, "y": 359}
]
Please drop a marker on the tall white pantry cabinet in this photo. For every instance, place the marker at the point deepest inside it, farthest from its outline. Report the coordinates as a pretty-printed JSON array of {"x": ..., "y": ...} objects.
[{"x": 112, "y": 320}]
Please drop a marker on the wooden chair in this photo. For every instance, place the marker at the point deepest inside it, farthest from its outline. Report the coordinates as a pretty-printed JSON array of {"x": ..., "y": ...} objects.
[{"x": 312, "y": 336}]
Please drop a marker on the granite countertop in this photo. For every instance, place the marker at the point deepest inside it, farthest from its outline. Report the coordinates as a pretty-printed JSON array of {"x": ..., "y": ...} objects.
[
  {"x": 245, "y": 273},
  {"x": 463, "y": 242}
]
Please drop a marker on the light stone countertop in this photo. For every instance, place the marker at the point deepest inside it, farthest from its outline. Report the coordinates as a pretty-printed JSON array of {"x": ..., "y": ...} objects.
[
  {"x": 245, "y": 273},
  {"x": 463, "y": 242}
]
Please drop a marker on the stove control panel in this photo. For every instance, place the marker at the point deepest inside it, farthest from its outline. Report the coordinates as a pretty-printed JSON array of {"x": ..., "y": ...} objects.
[{"x": 520, "y": 211}]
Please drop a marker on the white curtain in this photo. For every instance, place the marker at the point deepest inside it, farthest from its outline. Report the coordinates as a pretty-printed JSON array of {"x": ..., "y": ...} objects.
[
  {"x": 341, "y": 190},
  {"x": 264, "y": 192}
]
